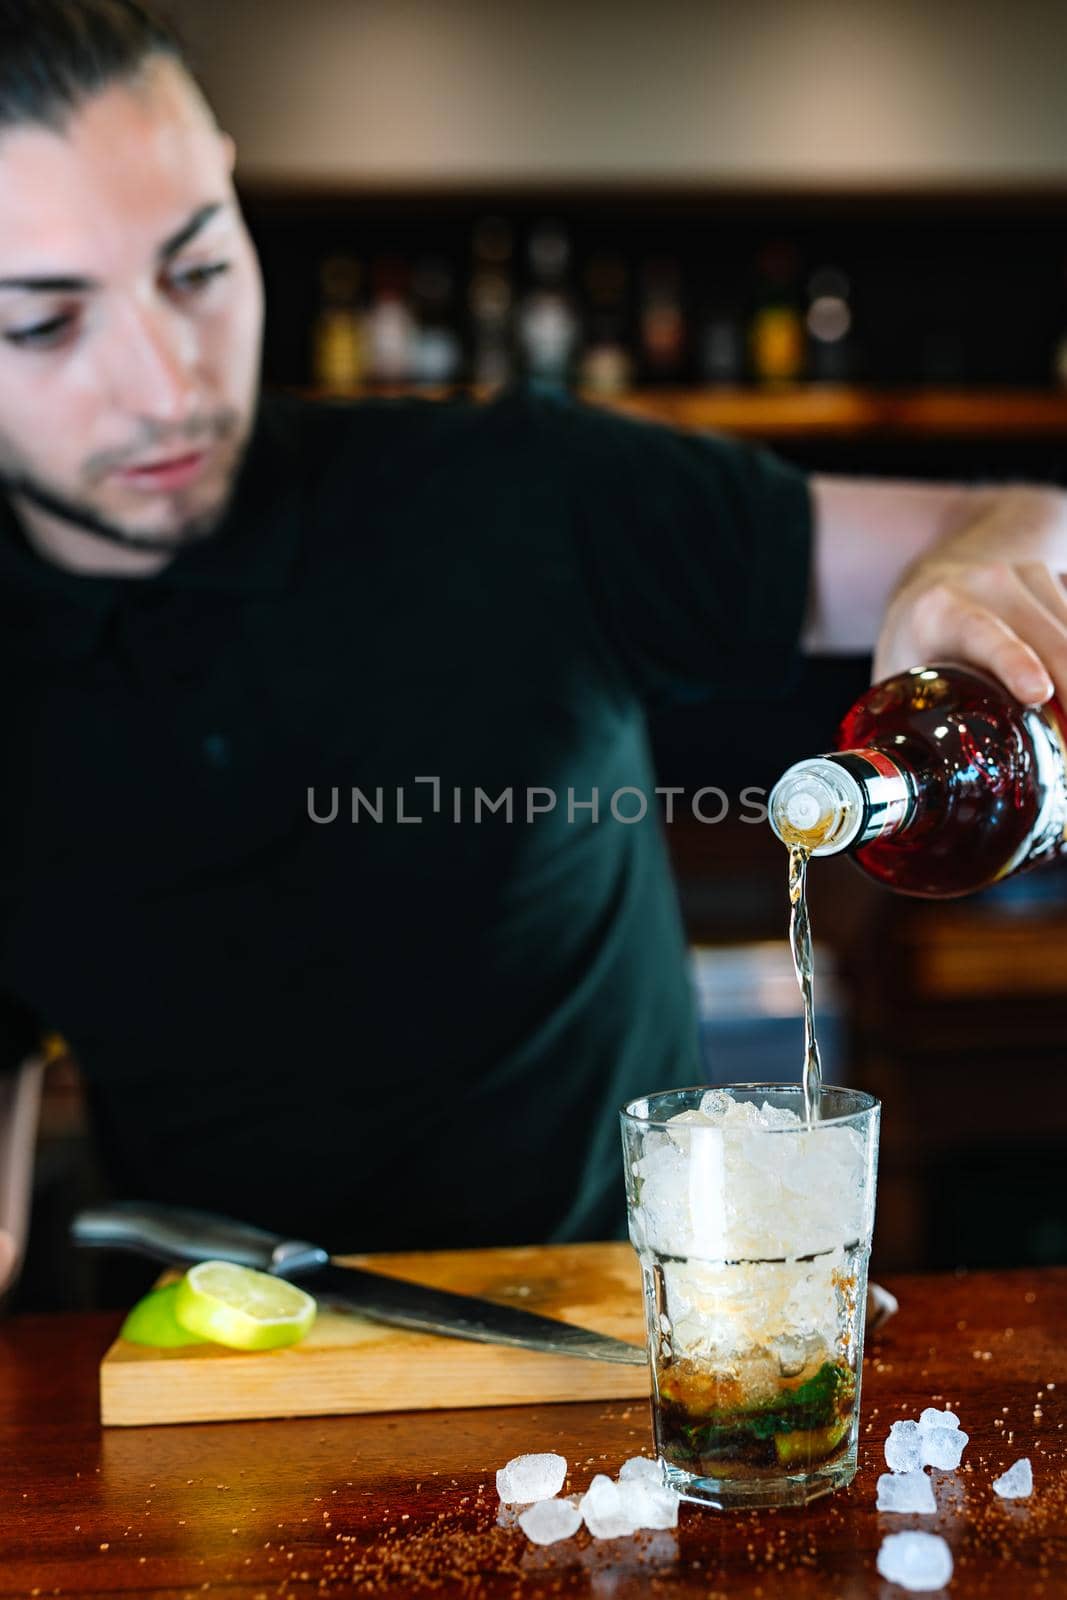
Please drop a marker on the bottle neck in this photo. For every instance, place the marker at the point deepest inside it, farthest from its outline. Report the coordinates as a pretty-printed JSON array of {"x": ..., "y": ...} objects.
[{"x": 842, "y": 801}]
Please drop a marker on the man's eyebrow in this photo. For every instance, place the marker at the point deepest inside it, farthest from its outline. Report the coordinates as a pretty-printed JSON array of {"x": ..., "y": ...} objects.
[
  {"x": 199, "y": 219},
  {"x": 64, "y": 284}
]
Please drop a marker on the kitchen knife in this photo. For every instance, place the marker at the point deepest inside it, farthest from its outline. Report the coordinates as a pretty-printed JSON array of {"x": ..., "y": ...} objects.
[{"x": 180, "y": 1234}]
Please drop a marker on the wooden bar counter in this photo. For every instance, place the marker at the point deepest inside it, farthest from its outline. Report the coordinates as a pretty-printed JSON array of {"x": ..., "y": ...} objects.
[{"x": 405, "y": 1503}]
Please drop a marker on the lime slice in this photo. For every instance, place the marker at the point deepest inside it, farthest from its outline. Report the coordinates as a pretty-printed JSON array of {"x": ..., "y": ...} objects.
[
  {"x": 152, "y": 1321},
  {"x": 242, "y": 1308}
]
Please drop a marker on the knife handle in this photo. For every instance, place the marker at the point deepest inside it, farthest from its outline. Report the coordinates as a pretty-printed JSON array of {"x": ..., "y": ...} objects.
[{"x": 181, "y": 1233}]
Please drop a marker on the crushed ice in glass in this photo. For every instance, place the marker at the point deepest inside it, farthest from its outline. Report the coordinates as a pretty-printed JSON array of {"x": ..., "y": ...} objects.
[
  {"x": 1018, "y": 1482},
  {"x": 528, "y": 1478},
  {"x": 548, "y": 1521},
  {"x": 917, "y": 1561},
  {"x": 903, "y": 1448},
  {"x": 905, "y": 1491}
]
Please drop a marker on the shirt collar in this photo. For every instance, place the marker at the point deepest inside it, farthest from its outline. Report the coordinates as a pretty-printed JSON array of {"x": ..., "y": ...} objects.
[{"x": 253, "y": 551}]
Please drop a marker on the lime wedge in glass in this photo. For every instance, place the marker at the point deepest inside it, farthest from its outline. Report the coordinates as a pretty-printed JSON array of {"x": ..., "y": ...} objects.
[
  {"x": 152, "y": 1321},
  {"x": 242, "y": 1308}
]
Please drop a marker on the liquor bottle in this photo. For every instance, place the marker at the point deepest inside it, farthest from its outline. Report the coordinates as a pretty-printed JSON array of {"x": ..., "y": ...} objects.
[
  {"x": 391, "y": 328},
  {"x": 829, "y": 323},
  {"x": 722, "y": 344},
  {"x": 776, "y": 331},
  {"x": 942, "y": 784},
  {"x": 663, "y": 331},
  {"x": 338, "y": 339},
  {"x": 606, "y": 365},
  {"x": 437, "y": 353},
  {"x": 490, "y": 300},
  {"x": 547, "y": 324}
]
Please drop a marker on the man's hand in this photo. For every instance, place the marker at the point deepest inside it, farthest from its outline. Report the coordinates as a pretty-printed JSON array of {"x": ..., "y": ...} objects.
[
  {"x": 977, "y": 578},
  {"x": 968, "y": 600}
]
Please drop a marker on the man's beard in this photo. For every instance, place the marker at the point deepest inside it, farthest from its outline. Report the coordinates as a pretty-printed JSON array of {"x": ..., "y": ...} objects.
[
  {"x": 83, "y": 516},
  {"x": 87, "y": 520}
]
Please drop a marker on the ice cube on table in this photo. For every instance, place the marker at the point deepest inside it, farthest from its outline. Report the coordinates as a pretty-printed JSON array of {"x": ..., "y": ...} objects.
[
  {"x": 528, "y": 1478},
  {"x": 648, "y": 1505},
  {"x": 917, "y": 1561},
  {"x": 647, "y": 1468},
  {"x": 547, "y": 1521},
  {"x": 604, "y": 1511},
  {"x": 932, "y": 1418},
  {"x": 903, "y": 1448},
  {"x": 1018, "y": 1482},
  {"x": 905, "y": 1491},
  {"x": 943, "y": 1447}
]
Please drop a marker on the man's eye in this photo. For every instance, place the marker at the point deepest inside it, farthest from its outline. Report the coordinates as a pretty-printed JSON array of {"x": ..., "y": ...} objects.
[
  {"x": 42, "y": 335},
  {"x": 195, "y": 278}
]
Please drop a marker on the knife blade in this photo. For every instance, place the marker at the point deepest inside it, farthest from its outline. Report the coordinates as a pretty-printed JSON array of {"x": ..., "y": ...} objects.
[{"x": 182, "y": 1234}]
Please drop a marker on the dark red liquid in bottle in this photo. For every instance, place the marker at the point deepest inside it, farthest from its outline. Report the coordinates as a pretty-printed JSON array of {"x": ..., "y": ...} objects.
[{"x": 988, "y": 780}]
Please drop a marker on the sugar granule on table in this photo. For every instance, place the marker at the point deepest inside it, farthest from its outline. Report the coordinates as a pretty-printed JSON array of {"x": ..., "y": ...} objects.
[
  {"x": 1017, "y": 1483},
  {"x": 917, "y": 1561}
]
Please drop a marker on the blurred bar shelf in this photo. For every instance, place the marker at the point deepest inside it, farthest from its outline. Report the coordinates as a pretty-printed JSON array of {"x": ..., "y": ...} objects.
[
  {"x": 856, "y": 412},
  {"x": 817, "y": 411}
]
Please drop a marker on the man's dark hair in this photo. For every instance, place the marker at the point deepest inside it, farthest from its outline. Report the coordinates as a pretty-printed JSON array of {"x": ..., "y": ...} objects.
[{"x": 55, "y": 54}]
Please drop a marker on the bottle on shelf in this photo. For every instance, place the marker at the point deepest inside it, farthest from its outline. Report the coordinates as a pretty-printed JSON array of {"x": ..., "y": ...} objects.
[
  {"x": 1058, "y": 363},
  {"x": 606, "y": 365},
  {"x": 722, "y": 341},
  {"x": 777, "y": 346},
  {"x": 547, "y": 323},
  {"x": 437, "y": 353},
  {"x": 338, "y": 339},
  {"x": 942, "y": 784},
  {"x": 829, "y": 325},
  {"x": 391, "y": 329},
  {"x": 662, "y": 321},
  {"x": 490, "y": 301}
]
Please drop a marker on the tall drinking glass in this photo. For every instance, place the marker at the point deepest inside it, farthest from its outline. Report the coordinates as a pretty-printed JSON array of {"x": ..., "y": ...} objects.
[{"x": 753, "y": 1229}]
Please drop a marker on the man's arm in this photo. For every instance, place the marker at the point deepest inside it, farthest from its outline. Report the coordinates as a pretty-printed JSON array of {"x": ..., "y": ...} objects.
[
  {"x": 20, "y": 1100},
  {"x": 923, "y": 572}
]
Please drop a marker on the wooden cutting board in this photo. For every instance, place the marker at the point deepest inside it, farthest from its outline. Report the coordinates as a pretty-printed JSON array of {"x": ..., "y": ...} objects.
[{"x": 348, "y": 1364}]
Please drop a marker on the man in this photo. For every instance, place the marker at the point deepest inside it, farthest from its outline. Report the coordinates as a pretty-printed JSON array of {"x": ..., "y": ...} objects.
[{"x": 408, "y": 1020}]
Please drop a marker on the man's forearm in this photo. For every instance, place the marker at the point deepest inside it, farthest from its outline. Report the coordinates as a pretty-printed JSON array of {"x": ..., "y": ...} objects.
[
  {"x": 20, "y": 1099},
  {"x": 868, "y": 535},
  {"x": 936, "y": 572}
]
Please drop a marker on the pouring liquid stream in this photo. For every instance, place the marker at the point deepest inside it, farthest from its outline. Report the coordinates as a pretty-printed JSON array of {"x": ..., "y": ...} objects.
[{"x": 800, "y": 948}]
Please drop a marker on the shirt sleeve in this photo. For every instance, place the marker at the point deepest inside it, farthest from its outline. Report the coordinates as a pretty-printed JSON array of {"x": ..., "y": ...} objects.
[{"x": 695, "y": 550}]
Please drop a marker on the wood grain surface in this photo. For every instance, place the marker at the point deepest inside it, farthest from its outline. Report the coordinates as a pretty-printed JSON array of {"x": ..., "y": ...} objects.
[
  {"x": 404, "y": 1503},
  {"x": 347, "y": 1364}
]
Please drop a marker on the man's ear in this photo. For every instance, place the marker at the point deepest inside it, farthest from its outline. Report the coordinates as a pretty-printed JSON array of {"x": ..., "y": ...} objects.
[{"x": 229, "y": 152}]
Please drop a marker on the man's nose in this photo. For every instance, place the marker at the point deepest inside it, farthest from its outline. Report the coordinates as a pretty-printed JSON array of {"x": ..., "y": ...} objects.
[{"x": 155, "y": 366}]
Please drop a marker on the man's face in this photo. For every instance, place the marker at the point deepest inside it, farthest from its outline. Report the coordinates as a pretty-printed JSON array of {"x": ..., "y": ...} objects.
[{"x": 131, "y": 313}]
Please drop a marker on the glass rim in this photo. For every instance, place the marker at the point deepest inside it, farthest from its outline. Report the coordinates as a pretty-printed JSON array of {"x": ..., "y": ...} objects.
[{"x": 870, "y": 1103}]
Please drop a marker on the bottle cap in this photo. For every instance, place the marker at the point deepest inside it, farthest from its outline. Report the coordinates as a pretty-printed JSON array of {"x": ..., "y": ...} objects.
[{"x": 818, "y": 804}]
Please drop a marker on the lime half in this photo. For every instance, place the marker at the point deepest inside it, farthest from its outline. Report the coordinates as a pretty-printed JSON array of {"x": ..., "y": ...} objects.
[
  {"x": 242, "y": 1308},
  {"x": 152, "y": 1321}
]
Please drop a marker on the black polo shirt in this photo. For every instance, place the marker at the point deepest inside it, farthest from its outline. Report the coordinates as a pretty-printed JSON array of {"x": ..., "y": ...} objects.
[{"x": 409, "y": 1023}]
